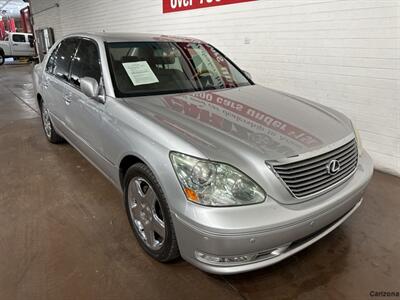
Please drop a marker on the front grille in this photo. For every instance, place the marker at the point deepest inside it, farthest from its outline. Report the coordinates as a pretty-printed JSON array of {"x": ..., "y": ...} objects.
[{"x": 310, "y": 176}]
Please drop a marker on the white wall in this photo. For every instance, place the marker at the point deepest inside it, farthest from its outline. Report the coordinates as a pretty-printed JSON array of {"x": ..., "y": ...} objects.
[{"x": 342, "y": 53}]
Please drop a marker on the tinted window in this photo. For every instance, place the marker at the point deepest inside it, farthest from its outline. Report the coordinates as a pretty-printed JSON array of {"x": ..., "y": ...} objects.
[
  {"x": 18, "y": 38},
  {"x": 86, "y": 63},
  {"x": 51, "y": 62},
  {"x": 63, "y": 58}
]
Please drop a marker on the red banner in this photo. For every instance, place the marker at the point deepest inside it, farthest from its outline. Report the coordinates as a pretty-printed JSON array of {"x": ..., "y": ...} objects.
[
  {"x": 179, "y": 5},
  {"x": 11, "y": 25},
  {"x": 2, "y": 30}
]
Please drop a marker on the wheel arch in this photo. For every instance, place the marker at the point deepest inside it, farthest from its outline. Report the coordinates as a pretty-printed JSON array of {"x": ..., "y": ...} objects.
[
  {"x": 39, "y": 100},
  {"x": 126, "y": 162}
]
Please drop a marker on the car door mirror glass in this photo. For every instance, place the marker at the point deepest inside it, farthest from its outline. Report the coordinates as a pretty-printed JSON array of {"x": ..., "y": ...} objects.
[{"x": 91, "y": 88}]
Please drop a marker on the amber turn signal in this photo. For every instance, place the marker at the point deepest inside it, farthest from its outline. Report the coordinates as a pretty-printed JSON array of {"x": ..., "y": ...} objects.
[{"x": 191, "y": 195}]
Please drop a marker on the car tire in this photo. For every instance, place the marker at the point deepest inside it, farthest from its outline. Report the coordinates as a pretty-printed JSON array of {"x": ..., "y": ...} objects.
[
  {"x": 49, "y": 131},
  {"x": 2, "y": 59},
  {"x": 147, "y": 210}
]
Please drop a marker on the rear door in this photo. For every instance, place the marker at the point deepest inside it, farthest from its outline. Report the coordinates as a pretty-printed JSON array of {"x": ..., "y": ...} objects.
[
  {"x": 48, "y": 91},
  {"x": 55, "y": 80},
  {"x": 20, "y": 45}
]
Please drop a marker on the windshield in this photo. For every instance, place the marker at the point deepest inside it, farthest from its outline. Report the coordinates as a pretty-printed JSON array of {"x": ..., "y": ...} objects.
[{"x": 148, "y": 68}]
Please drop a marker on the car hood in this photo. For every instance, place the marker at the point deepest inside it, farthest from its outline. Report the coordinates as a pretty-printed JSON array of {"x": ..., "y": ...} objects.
[{"x": 269, "y": 123}]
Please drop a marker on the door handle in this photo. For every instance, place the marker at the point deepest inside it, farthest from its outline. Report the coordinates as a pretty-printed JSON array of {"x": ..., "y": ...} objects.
[
  {"x": 67, "y": 99},
  {"x": 46, "y": 84}
]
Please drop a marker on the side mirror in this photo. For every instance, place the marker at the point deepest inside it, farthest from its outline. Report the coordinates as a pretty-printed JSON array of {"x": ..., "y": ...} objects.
[
  {"x": 248, "y": 75},
  {"x": 90, "y": 87}
]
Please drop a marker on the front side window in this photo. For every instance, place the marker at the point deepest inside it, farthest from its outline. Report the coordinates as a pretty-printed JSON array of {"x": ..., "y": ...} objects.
[
  {"x": 18, "y": 38},
  {"x": 63, "y": 58},
  {"x": 86, "y": 63},
  {"x": 51, "y": 63},
  {"x": 146, "y": 68}
]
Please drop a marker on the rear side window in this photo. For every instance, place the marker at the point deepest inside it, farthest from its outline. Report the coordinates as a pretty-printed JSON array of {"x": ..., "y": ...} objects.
[
  {"x": 18, "y": 38},
  {"x": 86, "y": 62},
  {"x": 63, "y": 58}
]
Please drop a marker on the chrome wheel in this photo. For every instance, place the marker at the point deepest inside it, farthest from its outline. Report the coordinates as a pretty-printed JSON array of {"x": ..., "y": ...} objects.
[
  {"x": 46, "y": 122},
  {"x": 145, "y": 212}
]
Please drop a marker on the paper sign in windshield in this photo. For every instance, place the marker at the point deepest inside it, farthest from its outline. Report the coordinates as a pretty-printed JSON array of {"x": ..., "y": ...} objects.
[{"x": 140, "y": 73}]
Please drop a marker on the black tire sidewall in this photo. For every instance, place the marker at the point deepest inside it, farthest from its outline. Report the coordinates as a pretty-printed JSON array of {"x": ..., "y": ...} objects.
[
  {"x": 167, "y": 252},
  {"x": 3, "y": 59}
]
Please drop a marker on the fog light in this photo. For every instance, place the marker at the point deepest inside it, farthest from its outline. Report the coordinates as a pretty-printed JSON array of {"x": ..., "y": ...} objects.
[
  {"x": 222, "y": 260},
  {"x": 240, "y": 259}
]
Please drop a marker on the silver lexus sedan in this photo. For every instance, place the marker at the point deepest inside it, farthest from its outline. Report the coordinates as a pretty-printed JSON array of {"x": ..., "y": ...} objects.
[{"x": 225, "y": 173}]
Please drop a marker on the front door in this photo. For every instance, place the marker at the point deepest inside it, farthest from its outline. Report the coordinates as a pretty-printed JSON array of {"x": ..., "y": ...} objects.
[{"x": 84, "y": 115}]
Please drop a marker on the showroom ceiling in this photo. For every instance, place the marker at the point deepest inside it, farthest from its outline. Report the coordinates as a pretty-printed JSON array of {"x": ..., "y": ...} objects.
[{"x": 11, "y": 8}]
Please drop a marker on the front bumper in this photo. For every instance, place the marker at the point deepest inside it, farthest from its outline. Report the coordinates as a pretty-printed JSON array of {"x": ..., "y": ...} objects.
[{"x": 288, "y": 228}]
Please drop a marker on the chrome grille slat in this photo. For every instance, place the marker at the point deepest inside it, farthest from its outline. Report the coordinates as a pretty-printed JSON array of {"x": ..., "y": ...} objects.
[
  {"x": 297, "y": 178},
  {"x": 286, "y": 169},
  {"x": 310, "y": 176},
  {"x": 322, "y": 167},
  {"x": 296, "y": 187},
  {"x": 316, "y": 178},
  {"x": 313, "y": 190}
]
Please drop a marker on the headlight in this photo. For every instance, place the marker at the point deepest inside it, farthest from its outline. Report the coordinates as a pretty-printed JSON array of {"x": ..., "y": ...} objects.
[
  {"x": 358, "y": 141},
  {"x": 214, "y": 184}
]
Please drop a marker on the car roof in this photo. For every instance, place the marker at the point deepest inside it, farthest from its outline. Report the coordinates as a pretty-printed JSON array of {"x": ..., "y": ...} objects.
[{"x": 114, "y": 37}]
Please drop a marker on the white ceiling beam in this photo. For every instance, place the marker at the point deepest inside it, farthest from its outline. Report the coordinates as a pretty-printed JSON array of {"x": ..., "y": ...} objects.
[{"x": 4, "y": 5}]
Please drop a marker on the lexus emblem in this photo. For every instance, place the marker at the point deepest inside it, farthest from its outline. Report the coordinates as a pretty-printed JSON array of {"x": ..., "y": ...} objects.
[{"x": 333, "y": 167}]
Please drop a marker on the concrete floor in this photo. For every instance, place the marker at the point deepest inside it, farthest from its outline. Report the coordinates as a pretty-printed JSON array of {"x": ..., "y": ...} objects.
[{"x": 64, "y": 233}]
